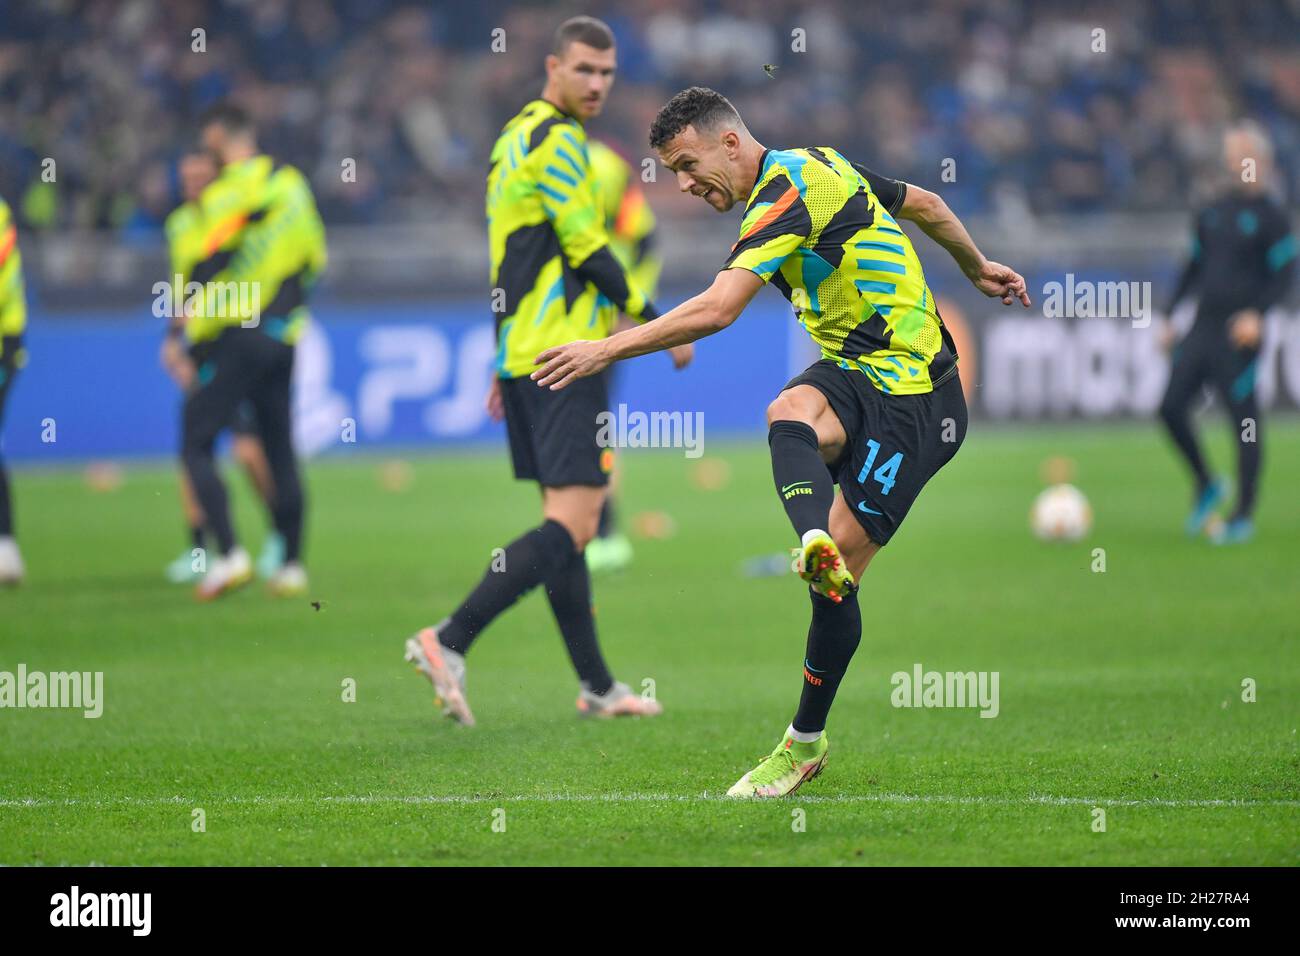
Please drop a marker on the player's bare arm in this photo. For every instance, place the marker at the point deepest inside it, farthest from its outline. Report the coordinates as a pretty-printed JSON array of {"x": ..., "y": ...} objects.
[
  {"x": 711, "y": 311},
  {"x": 931, "y": 213},
  {"x": 681, "y": 355}
]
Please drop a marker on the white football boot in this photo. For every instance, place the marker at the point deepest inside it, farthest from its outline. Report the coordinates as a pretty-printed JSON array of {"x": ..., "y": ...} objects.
[
  {"x": 289, "y": 581},
  {"x": 225, "y": 574},
  {"x": 445, "y": 669},
  {"x": 619, "y": 701}
]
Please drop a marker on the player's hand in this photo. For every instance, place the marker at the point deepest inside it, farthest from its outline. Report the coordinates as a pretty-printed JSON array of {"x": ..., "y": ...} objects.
[
  {"x": 682, "y": 355},
  {"x": 1002, "y": 282},
  {"x": 565, "y": 363},
  {"x": 1245, "y": 329},
  {"x": 495, "y": 408},
  {"x": 167, "y": 354},
  {"x": 177, "y": 364},
  {"x": 1167, "y": 336}
]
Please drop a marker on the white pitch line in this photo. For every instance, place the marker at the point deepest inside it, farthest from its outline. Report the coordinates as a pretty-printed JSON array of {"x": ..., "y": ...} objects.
[{"x": 461, "y": 799}]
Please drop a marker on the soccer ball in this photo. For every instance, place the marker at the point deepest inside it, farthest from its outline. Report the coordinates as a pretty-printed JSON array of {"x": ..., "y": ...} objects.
[{"x": 1061, "y": 513}]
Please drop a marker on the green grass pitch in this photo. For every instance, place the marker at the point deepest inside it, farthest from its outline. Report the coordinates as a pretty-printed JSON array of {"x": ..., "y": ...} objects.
[{"x": 1119, "y": 690}]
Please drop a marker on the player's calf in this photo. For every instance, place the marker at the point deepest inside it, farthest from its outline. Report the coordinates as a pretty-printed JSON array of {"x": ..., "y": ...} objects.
[
  {"x": 803, "y": 434},
  {"x": 854, "y": 543},
  {"x": 803, "y": 481},
  {"x": 833, "y": 637}
]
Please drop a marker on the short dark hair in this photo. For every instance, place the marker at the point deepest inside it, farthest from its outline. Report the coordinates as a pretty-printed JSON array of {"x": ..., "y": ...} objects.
[
  {"x": 231, "y": 117},
  {"x": 697, "y": 106},
  {"x": 594, "y": 33}
]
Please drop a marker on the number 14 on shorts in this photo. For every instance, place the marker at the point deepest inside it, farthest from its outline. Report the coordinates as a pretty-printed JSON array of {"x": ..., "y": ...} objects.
[{"x": 886, "y": 473}]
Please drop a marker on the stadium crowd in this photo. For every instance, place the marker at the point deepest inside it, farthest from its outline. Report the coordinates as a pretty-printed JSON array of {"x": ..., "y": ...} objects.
[{"x": 1034, "y": 107}]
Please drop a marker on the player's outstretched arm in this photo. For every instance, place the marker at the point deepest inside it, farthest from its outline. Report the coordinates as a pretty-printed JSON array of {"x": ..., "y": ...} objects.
[
  {"x": 931, "y": 213},
  {"x": 711, "y": 311}
]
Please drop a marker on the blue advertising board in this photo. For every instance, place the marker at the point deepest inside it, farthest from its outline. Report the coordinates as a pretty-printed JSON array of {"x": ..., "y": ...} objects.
[{"x": 416, "y": 374}]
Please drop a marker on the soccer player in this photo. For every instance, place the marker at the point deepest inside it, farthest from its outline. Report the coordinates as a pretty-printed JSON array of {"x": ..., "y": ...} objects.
[
  {"x": 879, "y": 414},
  {"x": 1241, "y": 263},
  {"x": 13, "y": 320},
  {"x": 556, "y": 278},
  {"x": 185, "y": 236},
  {"x": 630, "y": 224},
  {"x": 263, "y": 250}
]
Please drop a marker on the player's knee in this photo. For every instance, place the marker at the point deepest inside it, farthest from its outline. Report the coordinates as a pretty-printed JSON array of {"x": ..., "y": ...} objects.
[
  {"x": 577, "y": 509},
  {"x": 790, "y": 408},
  {"x": 586, "y": 529},
  {"x": 580, "y": 522},
  {"x": 774, "y": 409},
  {"x": 581, "y": 528}
]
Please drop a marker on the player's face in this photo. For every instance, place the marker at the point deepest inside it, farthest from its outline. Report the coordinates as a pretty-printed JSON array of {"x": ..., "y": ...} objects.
[
  {"x": 196, "y": 171},
  {"x": 214, "y": 140},
  {"x": 1238, "y": 147},
  {"x": 705, "y": 165},
  {"x": 583, "y": 76}
]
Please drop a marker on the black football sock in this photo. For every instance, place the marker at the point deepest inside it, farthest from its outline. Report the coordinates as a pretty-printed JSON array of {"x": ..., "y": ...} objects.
[
  {"x": 527, "y": 561},
  {"x": 196, "y": 536},
  {"x": 833, "y": 636},
  {"x": 569, "y": 590},
  {"x": 802, "y": 479},
  {"x": 607, "y": 524}
]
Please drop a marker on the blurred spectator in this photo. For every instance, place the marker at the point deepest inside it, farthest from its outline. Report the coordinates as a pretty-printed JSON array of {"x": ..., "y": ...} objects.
[{"x": 1018, "y": 95}]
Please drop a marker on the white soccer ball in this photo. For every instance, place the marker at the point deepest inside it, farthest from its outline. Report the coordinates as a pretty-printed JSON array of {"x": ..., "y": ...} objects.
[{"x": 1061, "y": 513}]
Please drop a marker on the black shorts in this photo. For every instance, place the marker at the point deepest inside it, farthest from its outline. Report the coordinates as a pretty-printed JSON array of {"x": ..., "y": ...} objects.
[
  {"x": 895, "y": 443},
  {"x": 241, "y": 374},
  {"x": 553, "y": 434},
  {"x": 9, "y": 366},
  {"x": 12, "y": 359},
  {"x": 244, "y": 421}
]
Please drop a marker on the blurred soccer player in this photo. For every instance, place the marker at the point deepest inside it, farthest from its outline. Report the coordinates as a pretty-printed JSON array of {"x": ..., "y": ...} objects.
[
  {"x": 556, "y": 279},
  {"x": 264, "y": 248},
  {"x": 184, "y": 231},
  {"x": 878, "y": 415},
  {"x": 13, "y": 320},
  {"x": 630, "y": 224},
  {"x": 1241, "y": 264}
]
